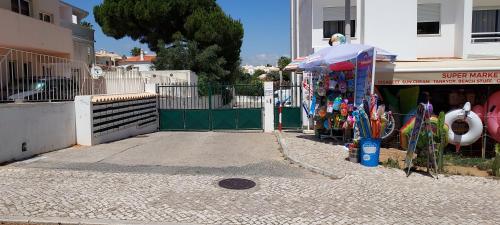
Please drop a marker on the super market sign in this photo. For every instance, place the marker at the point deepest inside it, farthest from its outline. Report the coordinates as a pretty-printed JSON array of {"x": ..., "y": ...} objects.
[{"x": 438, "y": 78}]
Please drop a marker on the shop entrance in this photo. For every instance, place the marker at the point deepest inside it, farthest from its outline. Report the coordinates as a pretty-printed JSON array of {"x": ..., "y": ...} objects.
[
  {"x": 210, "y": 107},
  {"x": 289, "y": 97}
]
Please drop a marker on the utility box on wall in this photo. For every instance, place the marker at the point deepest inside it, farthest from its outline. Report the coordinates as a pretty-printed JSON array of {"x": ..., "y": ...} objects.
[{"x": 106, "y": 118}]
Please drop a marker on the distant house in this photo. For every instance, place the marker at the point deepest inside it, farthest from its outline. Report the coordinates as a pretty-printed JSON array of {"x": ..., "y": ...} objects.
[
  {"x": 107, "y": 60},
  {"x": 141, "y": 63}
]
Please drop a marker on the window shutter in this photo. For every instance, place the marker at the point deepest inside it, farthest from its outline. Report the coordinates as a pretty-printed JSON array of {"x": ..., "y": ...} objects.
[
  {"x": 337, "y": 13},
  {"x": 429, "y": 13}
]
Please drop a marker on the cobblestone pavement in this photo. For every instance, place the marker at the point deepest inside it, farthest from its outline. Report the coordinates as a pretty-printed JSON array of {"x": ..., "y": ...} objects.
[{"x": 362, "y": 196}]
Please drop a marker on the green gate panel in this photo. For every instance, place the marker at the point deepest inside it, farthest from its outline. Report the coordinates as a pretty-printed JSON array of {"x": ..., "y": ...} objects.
[
  {"x": 197, "y": 119},
  {"x": 171, "y": 119},
  {"x": 250, "y": 119},
  {"x": 224, "y": 119},
  {"x": 291, "y": 117}
]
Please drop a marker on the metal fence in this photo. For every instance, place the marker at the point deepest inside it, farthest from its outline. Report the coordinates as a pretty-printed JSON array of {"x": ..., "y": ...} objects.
[
  {"x": 216, "y": 96},
  {"x": 30, "y": 76}
]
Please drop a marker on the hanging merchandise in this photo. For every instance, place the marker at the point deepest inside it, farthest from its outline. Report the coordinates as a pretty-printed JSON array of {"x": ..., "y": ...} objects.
[
  {"x": 336, "y": 103},
  {"x": 344, "y": 108}
]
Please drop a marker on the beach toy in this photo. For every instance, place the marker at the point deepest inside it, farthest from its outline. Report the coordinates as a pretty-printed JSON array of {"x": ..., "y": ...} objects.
[
  {"x": 326, "y": 124},
  {"x": 329, "y": 106},
  {"x": 313, "y": 106},
  {"x": 480, "y": 111},
  {"x": 332, "y": 84},
  {"x": 407, "y": 128},
  {"x": 390, "y": 99},
  {"x": 336, "y": 103},
  {"x": 343, "y": 86},
  {"x": 322, "y": 112},
  {"x": 408, "y": 98},
  {"x": 344, "y": 107},
  {"x": 337, "y": 39},
  {"x": 493, "y": 116},
  {"x": 471, "y": 118}
]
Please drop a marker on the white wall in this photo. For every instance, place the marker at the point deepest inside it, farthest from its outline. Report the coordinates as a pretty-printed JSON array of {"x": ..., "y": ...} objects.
[
  {"x": 43, "y": 127},
  {"x": 391, "y": 25},
  {"x": 318, "y": 41},
  {"x": 443, "y": 44}
]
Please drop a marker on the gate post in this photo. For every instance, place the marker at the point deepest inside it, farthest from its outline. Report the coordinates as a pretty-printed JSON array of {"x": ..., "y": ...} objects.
[{"x": 268, "y": 107}]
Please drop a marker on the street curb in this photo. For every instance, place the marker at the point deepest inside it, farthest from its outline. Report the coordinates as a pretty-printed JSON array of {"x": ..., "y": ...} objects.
[
  {"x": 315, "y": 169},
  {"x": 23, "y": 220}
]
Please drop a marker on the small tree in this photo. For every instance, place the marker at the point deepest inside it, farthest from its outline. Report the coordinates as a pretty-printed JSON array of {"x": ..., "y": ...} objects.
[
  {"x": 257, "y": 73},
  {"x": 283, "y": 61},
  {"x": 135, "y": 51}
]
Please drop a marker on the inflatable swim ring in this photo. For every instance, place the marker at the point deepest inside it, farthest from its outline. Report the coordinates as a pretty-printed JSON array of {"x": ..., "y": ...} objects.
[
  {"x": 493, "y": 116},
  {"x": 471, "y": 118}
]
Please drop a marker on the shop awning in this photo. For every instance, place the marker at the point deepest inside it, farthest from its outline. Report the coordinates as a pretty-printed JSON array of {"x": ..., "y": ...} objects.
[
  {"x": 439, "y": 72},
  {"x": 341, "y": 53},
  {"x": 336, "y": 54}
]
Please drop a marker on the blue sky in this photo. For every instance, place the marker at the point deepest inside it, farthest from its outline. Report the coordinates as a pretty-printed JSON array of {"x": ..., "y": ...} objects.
[{"x": 266, "y": 23}]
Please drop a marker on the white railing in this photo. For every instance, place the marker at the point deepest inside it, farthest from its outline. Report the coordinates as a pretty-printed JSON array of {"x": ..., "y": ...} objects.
[
  {"x": 29, "y": 76},
  {"x": 481, "y": 37}
]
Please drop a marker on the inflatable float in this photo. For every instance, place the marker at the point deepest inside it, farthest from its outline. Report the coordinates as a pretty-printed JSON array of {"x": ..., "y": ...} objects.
[
  {"x": 406, "y": 130},
  {"x": 492, "y": 114},
  {"x": 471, "y": 118}
]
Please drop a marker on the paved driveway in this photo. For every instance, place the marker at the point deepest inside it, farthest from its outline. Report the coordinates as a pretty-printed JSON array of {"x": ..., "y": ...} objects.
[
  {"x": 214, "y": 153},
  {"x": 167, "y": 178}
]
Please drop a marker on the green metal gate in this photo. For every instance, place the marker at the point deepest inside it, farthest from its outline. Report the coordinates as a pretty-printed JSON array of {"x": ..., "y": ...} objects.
[
  {"x": 210, "y": 107},
  {"x": 289, "y": 97}
]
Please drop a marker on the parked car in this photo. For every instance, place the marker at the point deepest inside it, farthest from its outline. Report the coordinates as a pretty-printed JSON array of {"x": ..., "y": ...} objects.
[{"x": 50, "y": 88}]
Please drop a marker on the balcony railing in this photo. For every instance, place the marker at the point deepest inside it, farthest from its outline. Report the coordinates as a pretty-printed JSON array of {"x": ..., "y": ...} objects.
[
  {"x": 484, "y": 37},
  {"x": 79, "y": 31}
]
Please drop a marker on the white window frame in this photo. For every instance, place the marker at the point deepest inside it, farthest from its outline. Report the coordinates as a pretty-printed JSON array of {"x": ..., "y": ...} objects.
[
  {"x": 341, "y": 17},
  {"x": 439, "y": 20},
  {"x": 43, "y": 14},
  {"x": 30, "y": 7}
]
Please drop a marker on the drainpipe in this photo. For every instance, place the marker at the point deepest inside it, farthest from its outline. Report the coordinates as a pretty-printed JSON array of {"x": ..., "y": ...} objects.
[{"x": 347, "y": 28}]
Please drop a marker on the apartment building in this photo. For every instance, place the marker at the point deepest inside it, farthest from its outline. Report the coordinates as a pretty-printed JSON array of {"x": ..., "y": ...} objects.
[
  {"x": 412, "y": 29},
  {"x": 49, "y": 27}
]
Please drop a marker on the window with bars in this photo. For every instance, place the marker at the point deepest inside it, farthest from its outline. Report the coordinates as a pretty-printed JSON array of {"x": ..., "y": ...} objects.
[
  {"x": 429, "y": 19},
  {"x": 486, "y": 25}
]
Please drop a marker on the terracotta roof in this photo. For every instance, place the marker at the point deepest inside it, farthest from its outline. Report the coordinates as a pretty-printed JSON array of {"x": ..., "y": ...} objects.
[{"x": 147, "y": 58}]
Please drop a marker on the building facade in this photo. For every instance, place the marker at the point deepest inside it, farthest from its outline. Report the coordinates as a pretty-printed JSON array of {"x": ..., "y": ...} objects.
[
  {"x": 412, "y": 29},
  {"x": 48, "y": 27}
]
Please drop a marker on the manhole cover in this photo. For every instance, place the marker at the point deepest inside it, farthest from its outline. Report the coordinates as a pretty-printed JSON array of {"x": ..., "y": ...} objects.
[{"x": 236, "y": 184}]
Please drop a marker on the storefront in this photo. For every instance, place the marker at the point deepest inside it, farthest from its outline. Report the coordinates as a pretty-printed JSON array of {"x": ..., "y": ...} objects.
[{"x": 448, "y": 85}]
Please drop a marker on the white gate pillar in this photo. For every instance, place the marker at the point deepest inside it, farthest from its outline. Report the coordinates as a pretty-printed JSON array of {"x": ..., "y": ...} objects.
[{"x": 268, "y": 107}]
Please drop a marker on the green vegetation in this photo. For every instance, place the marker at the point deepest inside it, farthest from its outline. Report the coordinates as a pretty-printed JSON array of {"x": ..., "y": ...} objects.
[
  {"x": 195, "y": 35},
  {"x": 457, "y": 160},
  {"x": 86, "y": 25},
  {"x": 135, "y": 51},
  {"x": 391, "y": 163},
  {"x": 496, "y": 162}
]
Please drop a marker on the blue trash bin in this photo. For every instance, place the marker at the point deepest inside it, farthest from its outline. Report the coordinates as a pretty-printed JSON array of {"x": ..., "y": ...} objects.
[{"x": 370, "y": 152}]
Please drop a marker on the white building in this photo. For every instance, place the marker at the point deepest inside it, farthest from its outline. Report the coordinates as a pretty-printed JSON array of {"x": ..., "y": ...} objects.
[
  {"x": 140, "y": 63},
  {"x": 50, "y": 27},
  {"x": 251, "y": 69},
  {"x": 410, "y": 28}
]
